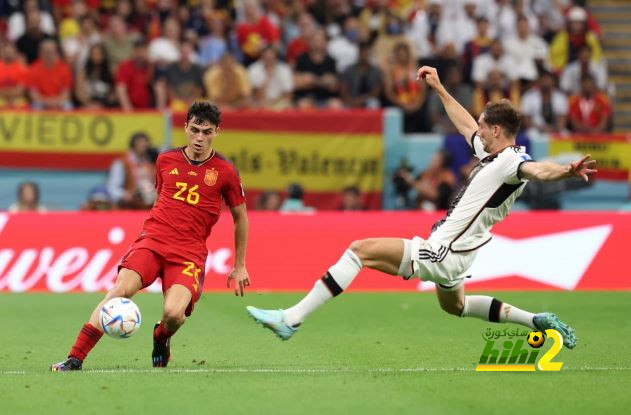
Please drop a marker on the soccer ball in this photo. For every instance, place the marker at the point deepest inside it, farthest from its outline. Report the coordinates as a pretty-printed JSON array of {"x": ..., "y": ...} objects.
[
  {"x": 120, "y": 318},
  {"x": 536, "y": 339}
]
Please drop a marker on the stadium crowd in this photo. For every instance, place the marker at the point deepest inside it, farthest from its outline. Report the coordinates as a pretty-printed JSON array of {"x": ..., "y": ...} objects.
[{"x": 544, "y": 55}]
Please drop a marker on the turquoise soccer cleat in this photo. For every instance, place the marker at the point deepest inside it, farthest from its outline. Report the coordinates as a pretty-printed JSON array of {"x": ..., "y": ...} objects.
[
  {"x": 273, "y": 320},
  {"x": 545, "y": 321}
]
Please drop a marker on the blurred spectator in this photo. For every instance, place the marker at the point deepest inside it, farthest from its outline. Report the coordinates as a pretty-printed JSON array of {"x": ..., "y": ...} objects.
[
  {"x": 69, "y": 25},
  {"x": 13, "y": 78},
  {"x": 294, "y": 202},
  {"x": 467, "y": 22},
  {"x": 17, "y": 24},
  {"x": 394, "y": 34},
  {"x": 526, "y": 50},
  {"x": 429, "y": 31},
  {"x": 544, "y": 107},
  {"x": 119, "y": 42},
  {"x": 98, "y": 199},
  {"x": 344, "y": 47},
  {"x": 27, "y": 199},
  {"x": 373, "y": 19},
  {"x": 213, "y": 46},
  {"x": 494, "y": 88},
  {"x": 271, "y": 80},
  {"x": 269, "y": 200},
  {"x": 361, "y": 84},
  {"x": 551, "y": 19},
  {"x": 131, "y": 178},
  {"x": 28, "y": 43},
  {"x": 94, "y": 87},
  {"x": 76, "y": 48},
  {"x": 183, "y": 80},
  {"x": 566, "y": 44},
  {"x": 227, "y": 84},
  {"x": 300, "y": 44},
  {"x": 494, "y": 59},
  {"x": 315, "y": 80},
  {"x": 572, "y": 74},
  {"x": 590, "y": 110},
  {"x": 502, "y": 17},
  {"x": 134, "y": 79},
  {"x": 50, "y": 79},
  {"x": 351, "y": 199},
  {"x": 402, "y": 89},
  {"x": 480, "y": 44},
  {"x": 255, "y": 32},
  {"x": 461, "y": 92},
  {"x": 435, "y": 186},
  {"x": 403, "y": 182},
  {"x": 166, "y": 48}
]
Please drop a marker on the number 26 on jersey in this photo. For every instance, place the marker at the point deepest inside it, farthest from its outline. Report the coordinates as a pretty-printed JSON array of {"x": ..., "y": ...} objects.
[{"x": 186, "y": 194}]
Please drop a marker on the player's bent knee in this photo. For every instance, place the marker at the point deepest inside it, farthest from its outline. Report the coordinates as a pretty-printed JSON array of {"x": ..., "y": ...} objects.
[
  {"x": 453, "y": 307},
  {"x": 173, "y": 315},
  {"x": 360, "y": 248}
]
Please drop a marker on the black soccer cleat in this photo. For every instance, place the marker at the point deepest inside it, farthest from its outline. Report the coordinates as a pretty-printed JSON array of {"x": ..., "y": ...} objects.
[
  {"x": 71, "y": 364},
  {"x": 161, "y": 351}
]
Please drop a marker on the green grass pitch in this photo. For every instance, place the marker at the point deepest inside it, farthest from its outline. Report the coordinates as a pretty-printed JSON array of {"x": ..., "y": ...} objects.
[{"x": 363, "y": 353}]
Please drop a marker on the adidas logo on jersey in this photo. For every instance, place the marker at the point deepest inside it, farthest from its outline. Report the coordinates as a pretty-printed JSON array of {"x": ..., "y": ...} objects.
[{"x": 174, "y": 171}]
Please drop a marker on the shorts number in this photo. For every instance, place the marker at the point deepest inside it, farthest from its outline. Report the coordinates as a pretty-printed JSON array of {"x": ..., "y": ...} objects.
[
  {"x": 192, "y": 271},
  {"x": 192, "y": 197}
]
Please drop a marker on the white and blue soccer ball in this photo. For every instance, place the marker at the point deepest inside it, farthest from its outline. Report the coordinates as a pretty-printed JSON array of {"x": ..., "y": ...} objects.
[{"x": 120, "y": 317}]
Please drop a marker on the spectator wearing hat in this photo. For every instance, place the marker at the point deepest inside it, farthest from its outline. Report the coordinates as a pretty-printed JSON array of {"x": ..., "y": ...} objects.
[
  {"x": 567, "y": 43},
  {"x": 98, "y": 199}
]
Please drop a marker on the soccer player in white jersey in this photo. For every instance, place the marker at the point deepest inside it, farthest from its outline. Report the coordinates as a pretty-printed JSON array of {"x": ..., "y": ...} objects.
[{"x": 446, "y": 256}]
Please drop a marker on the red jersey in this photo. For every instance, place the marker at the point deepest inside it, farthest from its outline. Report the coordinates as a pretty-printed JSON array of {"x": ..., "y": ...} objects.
[{"x": 189, "y": 204}]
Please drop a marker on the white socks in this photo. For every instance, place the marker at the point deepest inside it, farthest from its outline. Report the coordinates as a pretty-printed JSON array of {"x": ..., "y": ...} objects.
[
  {"x": 336, "y": 280},
  {"x": 490, "y": 309}
]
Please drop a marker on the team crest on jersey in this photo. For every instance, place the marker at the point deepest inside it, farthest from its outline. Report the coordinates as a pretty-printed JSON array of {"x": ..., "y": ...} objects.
[{"x": 210, "y": 178}]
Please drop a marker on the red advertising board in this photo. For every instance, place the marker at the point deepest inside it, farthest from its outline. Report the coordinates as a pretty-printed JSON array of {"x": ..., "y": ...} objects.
[{"x": 78, "y": 251}]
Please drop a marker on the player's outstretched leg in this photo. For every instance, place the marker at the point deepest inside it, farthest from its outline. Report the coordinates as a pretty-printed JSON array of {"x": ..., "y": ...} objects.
[
  {"x": 454, "y": 301},
  {"x": 176, "y": 300},
  {"x": 544, "y": 321},
  {"x": 382, "y": 254},
  {"x": 127, "y": 284}
]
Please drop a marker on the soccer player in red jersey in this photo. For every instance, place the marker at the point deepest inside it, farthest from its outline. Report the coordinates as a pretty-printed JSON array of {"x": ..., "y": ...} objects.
[{"x": 191, "y": 183}]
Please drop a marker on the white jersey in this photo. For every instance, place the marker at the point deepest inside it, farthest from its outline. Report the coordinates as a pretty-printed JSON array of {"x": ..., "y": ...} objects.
[{"x": 484, "y": 200}]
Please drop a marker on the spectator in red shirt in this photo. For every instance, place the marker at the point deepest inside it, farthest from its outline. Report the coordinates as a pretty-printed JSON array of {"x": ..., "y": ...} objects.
[
  {"x": 13, "y": 78},
  {"x": 590, "y": 110},
  {"x": 50, "y": 79},
  {"x": 300, "y": 44},
  {"x": 256, "y": 32},
  {"x": 134, "y": 79}
]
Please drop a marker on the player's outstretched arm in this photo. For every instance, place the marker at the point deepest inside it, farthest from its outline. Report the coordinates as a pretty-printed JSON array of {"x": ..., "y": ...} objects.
[
  {"x": 546, "y": 171},
  {"x": 458, "y": 115},
  {"x": 239, "y": 274}
]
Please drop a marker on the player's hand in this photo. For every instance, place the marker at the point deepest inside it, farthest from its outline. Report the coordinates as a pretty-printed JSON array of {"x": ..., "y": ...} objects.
[
  {"x": 241, "y": 280},
  {"x": 430, "y": 76},
  {"x": 583, "y": 167}
]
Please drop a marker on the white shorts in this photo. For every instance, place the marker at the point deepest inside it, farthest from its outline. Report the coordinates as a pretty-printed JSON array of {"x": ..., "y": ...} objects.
[{"x": 431, "y": 261}]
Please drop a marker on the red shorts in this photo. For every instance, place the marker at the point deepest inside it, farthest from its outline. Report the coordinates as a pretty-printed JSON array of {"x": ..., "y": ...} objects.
[{"x": 151, "y": 266}]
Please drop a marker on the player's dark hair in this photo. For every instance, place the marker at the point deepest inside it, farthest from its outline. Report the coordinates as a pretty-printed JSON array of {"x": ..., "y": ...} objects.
[
  {"x": 504, "y": 114},
  {"x": 204, "y": 111}
]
